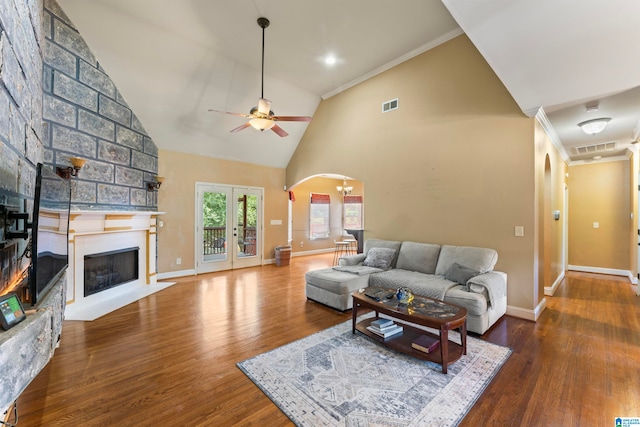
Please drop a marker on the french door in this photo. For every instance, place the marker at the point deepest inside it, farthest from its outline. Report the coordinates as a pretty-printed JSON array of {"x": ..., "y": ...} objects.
[{"x": 228, "y": 227}]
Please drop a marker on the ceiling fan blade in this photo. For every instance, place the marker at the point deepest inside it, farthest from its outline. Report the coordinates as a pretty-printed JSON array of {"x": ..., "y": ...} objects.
[
  {"x": 277, "y": 129},
  {"x": 233, "y": 114},
  {"x": 292, "y": 118},
  {"x": 239, "y": 128},
  {"x": 264, "y": 106}
]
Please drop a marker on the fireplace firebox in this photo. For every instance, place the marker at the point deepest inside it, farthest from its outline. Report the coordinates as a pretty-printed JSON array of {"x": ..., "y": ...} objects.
[{"x": 107, "y": 270}]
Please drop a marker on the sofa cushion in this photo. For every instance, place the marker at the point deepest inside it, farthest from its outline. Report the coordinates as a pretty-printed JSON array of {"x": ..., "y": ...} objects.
[
  {"x": 380, "y": 258},
  {"x": 337, "y": 282},
  {"x": 460, "y": 274},
  {"x": 476, "y": 304},
  {"x": 420, "y": 257},
  {"x": 379, "y": 243},
  {"x": 480, "y": 259}
]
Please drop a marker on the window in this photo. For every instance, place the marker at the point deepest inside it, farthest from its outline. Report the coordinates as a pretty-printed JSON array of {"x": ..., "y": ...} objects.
[
  {"x": 319, "y": 216},
  {"x": 352, "y": 212}
]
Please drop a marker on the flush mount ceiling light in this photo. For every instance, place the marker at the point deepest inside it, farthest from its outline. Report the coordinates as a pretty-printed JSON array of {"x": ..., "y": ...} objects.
[{"x": 594, "y": 126}]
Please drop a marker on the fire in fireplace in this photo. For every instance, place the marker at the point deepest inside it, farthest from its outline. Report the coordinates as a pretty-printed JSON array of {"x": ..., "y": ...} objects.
[{"x": 107, "y": 270}]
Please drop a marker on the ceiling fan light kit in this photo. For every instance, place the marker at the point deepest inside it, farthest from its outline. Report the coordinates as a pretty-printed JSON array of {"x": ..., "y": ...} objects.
[
  {"x": 261, "y": 117},
  {"x": 594, "y": 126},
  {"x": 262, "y": 124}
]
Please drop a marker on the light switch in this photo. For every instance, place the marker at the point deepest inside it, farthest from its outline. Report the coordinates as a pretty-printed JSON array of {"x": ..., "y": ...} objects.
[
  {"x": 596, "y": 225},
  {"x": 519, "y": 231}
]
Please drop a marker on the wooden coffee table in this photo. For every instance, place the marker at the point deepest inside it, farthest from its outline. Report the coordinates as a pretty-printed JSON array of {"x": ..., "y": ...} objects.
[{"x": 422, "y": 311}]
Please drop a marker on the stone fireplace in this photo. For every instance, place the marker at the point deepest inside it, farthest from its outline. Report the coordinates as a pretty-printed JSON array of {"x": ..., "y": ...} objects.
[{"x": 97, "y": 241}]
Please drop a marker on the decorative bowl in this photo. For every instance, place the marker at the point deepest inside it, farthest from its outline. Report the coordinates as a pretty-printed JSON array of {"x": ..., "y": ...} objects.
[{"x": 404, "y": 295}]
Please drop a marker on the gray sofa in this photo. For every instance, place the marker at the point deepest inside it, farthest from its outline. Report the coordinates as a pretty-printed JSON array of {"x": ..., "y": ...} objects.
[{"x": 460, "y": 275}]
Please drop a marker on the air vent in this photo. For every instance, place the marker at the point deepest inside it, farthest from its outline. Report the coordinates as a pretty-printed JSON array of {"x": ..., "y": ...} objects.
[
  {"x": 390, "y": 105},
  {"x": 596, "y": 148}
]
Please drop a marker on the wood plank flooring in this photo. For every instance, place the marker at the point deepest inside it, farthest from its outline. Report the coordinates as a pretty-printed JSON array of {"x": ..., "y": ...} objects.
[{"x": 169, "y": 359}]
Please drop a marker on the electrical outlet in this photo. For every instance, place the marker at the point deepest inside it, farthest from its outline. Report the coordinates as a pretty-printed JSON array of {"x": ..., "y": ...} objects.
[
  {"x": 519, "y": 231},
  {"x": 301, "y": 244},
  {"x": 178, "y": 261}
]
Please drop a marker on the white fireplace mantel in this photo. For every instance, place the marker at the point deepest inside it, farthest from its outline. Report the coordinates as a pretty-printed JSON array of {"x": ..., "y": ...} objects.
[{"x": 93, "y": 232}]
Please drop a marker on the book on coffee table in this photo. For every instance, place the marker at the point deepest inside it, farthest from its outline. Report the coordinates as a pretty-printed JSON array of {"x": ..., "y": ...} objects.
[
  {"x": 386, "y": 333},
  {"x": 382, "y": 323},
  {"x": 426, "y": 343}
]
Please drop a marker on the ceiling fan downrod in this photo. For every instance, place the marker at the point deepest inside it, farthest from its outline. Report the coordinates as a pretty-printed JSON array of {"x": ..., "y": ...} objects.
[{"x": 263, "y": 23}]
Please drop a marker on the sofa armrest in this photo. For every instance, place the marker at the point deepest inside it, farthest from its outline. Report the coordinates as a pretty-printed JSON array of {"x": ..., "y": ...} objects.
[
  {"x": 351, "y": 259},
  {"x": 494, "y": 283}
]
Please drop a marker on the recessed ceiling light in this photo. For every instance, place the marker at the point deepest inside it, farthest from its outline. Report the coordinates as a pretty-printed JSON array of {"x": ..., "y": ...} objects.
[{"x": 330, "y": 60}]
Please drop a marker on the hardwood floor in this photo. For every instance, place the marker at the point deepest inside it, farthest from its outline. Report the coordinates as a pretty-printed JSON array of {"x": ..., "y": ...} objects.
[{"x": 169, "y": 359}]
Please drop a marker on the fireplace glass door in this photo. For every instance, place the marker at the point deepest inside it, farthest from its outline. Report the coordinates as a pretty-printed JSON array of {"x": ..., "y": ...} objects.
[{"x": 228, "y": 234}]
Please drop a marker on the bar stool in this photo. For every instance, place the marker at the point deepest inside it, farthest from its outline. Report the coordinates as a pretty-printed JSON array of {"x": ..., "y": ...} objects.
[
  {"x": 342, "y": 248},
  {"x": 352, "y": 249}
]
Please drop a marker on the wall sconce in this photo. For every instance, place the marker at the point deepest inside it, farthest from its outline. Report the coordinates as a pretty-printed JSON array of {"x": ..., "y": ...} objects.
[
  {"x": 68, "y": 172},
  {"x": 155, "y": 185}
]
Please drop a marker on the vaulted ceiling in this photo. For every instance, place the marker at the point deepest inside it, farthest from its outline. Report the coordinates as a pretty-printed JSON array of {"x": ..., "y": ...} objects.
[{"x": 174, "y": 60}]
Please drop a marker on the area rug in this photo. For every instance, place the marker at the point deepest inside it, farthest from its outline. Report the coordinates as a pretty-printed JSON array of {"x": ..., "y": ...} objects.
[{"x": 336, "y": 378}]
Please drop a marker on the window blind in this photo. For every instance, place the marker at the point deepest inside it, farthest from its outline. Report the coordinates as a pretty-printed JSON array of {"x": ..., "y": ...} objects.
[{"x": 320, "y": 199}]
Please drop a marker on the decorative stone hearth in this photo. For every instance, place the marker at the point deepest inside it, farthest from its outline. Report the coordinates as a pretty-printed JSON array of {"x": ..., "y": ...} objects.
[{"x": 94, "y": 232}]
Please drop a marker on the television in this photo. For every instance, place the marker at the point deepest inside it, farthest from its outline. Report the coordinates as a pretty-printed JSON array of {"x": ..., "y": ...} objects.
[{"x": 50, "y": 232}]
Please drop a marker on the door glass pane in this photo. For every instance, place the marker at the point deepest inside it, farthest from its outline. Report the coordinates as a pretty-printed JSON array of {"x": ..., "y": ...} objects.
[
  {"x": 247, "y": 223},
  {"x": 214, "y": 217}
]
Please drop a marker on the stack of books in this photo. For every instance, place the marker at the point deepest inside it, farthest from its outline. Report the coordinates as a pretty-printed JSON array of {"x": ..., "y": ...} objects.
[
  {"x": 426, "y": 343},
  {"x": 384, "y": 328}
]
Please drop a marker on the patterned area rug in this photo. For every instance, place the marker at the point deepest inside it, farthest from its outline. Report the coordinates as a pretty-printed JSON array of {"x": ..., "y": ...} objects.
[{"x": 335, "y": 378}]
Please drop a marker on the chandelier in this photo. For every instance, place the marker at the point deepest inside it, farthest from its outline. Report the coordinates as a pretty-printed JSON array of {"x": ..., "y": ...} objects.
[{"x": 344, "y": 189}]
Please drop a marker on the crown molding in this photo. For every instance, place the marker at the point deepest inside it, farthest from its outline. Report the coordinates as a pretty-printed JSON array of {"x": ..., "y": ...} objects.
[
  {"x": 542, "y": 118},
  {"x": 622, "y": 158}
]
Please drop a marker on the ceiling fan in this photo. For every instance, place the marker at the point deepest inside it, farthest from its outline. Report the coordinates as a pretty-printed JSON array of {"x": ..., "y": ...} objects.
[{"x": 261, "y": 117}]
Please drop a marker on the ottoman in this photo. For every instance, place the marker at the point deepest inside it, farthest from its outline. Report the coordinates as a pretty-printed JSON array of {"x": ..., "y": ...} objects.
[{"x": 333, "y": 288}]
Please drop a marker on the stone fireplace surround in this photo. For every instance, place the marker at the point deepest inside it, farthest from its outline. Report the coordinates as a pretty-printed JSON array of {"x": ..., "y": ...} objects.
[{"x": 92, "y": 232}]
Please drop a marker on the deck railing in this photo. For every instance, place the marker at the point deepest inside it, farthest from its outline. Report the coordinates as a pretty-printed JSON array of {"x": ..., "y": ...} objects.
[{"x": 215, "y": 240}]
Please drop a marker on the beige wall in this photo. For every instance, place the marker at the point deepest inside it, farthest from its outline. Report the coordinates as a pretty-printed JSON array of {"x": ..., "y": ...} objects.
[
  {"x": 600, "y": 192},
  {"x": 453, "y": 165},
  {"x": 176, "y": 197},
  {"x": 551, "y": 172},
  {"x": 300, "y": 213}
]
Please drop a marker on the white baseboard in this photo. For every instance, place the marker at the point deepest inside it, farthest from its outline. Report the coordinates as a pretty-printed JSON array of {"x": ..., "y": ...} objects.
[
  {"x": 314, "y": 252},
  {"x": 305, "y": 253},
  {"x": 180, "y": 273},
  {"x": 521, "y": 313},
  {"x": 600, "y": 270},
  {"x": 540, "y": 308},
  {"x": 527, "y": 314},
  {"x": 550, "y": 290}
]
